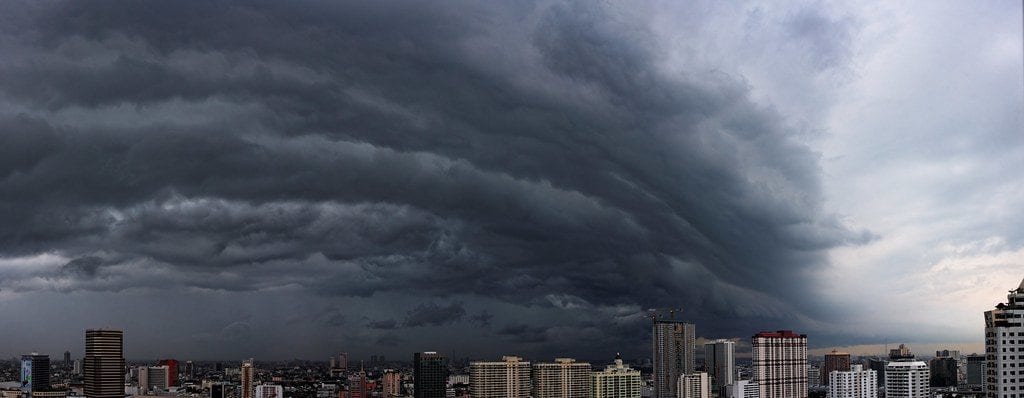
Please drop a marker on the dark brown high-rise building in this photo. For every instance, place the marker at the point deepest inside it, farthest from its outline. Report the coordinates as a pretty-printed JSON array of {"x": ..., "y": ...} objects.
[
  {"x": 834, "y": 361},
  {"x": 430, "y": 375},
  {"x": 103, "y": 366}
]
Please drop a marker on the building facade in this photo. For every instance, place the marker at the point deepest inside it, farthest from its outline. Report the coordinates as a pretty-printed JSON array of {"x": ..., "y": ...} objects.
[
  {"x": 269, "y": 391},
  {"x": 430, "y": 374},
  {"x": 779, "y": 362},
  {"x": 1004, "y": 344},
  {"x": 673, "y": 344},
  {"x": 834, "y": 361},
  {"x": 391, "y": 383},
  {"x": 906, "y": 379},
  {"x": 854, "y": 383},
  {"x": 103, "y": 365},
  {"x": 564, "y": 378},
  {"x": 508, "y": 378},
  {"x": 743, "y": 389},
  {"x": 720, "y": 361},
  {"x": 616, "y": 381},
  {"x": 35, "y": 373},
  {"x": 246, "y": 377},
  {"x": 694, "y": 385},
  {"x": 975, "y": 370},
  {"x": 172, "y": 370},
  {"x": 943, "y": 372}
]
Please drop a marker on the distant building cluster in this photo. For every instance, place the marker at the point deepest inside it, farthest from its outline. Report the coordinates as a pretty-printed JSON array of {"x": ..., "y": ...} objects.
[{"x": 779, "y": 367}]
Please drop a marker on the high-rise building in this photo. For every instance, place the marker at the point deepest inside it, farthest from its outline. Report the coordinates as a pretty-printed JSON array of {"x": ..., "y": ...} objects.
[
  {"x": 190, "y": 370},
  {"x": 813, "y": 376},
  {"x": 694, "y": 385},
  {"x": 955, "y": 354},
  {"x": 357, "y": 385},
  {"x": 854, "y": 383},
  {"x": 943, "y": 372},
  {"x": 246, "y": 379},
  {"x": 902, "y": 353},
  {"x": 564, "y": 378},
  {"x": 343, "y": 362},
  {"x": 269, "y": 391},
  {"x": 719, "y": 359},
  {"x": 507, "y": 378},
  {"x": 67, "y": 361},
  {"x": 834, "y": 361},
  {"x": 391, "y": 383},
  {"x": 906, "y": 379},
  {"x": 35, "y": 373},
  {"x": 1004, "y": 342},
  {"x": 975, "y": 370},
  {"x": 743, "y": 389},
  {"x": 172, "y": 370},
  {"x": 430, "y": 374},
  {"x": 779, "y": 360},
  {"x": 878, "y": 365},
  {"x": 673, "y": 343},
  {"x": 616, "y": 381},
  {"x": 103, "y": 366},
  {"x": 153, "y": 378}
]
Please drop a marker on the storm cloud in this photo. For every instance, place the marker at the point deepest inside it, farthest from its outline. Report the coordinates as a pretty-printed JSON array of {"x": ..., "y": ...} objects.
[{"x": 529, "y": 172}]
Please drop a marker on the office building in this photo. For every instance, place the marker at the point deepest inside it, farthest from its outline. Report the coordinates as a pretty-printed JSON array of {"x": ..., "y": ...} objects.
[
  {"x": 616, "y": 381},
  {"x": 743, "y": 389},
  {"x": 854, "y": 383},
  {"x": 218, "y": 390},
  {"x": 943, "y": 372},
  {"x": 430, "y": 375},
  {"x": 673, "y": 343},
  {"x": 35, "y": 373},
  {"x": 103, "y": 365},
  {"x": 901, "y": 353},
  {"x": 343, "y": 362},
  {"x": 172, "y": 370},
  {"x": 878, "y": 365},
  {"x": 564, "y": 378},
  {"x": 779, "y": 362},
  {"x": 975, "y": 370},
  {"x": 1004, "y": 342},
  {"x": 955, "y": 354},
  {"x": 720, "y": 361},
  {"x": 813, "y": 376},
  {"x": 694, "y": 385},
  {"x": 246, "y": 376},
  {"x": 269, "y": 391},
  {"x": 153, "y": 378},
  {"x": 906, "y": 379},
  {"x": 507, "y": 378},
  {"x": 834, "y": 361}
]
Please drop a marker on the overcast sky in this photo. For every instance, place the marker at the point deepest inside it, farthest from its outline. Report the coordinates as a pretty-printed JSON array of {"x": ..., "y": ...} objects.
[{"x": 290, "y": 180}]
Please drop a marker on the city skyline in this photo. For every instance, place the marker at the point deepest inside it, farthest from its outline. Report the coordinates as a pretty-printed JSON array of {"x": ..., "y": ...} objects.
[{"x": 276, "y": 180}]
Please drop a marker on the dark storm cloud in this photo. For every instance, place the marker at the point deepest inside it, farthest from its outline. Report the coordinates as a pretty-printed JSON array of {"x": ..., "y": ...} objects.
[{"x": 356, "y": 149}]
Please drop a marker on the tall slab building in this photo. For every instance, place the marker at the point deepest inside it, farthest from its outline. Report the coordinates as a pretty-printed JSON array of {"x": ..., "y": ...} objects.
[
  {"x": 103, "y": 365},
  {"x": 616, "y": 381},
  {"x": 564, "y": 378},
  {"x": 720, "y": 361},
  {"x": 429, "y": 374},
  {"x": 854, "y": 383},
  {"x": 1004, "y": 347},
  {"x": 507, "y": 378},
  {"x": 835, "y": 361},
  {"x": 673, "y": 343},
  {"x": 779, "y": 360},
  {"x": 906, "y": 379}
]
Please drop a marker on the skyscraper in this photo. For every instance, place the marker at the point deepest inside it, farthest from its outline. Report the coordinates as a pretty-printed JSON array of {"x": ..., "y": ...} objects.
[
  {"x": 975, "y": 370},
  {"x": 153, "y": 378},
  {"x": 694, "y": 385},
  {"x": 673, "y": 343},
  {"x": 35, "y": 373},
  {"x": 779, "y": 360},
  {"x": 246, "y": 379},
  {"x": 719, "y": 359},
  {"x": 357, "y": 386},
  {"x": 564, "y": 378},
  {"x": 906, "y": 379},
  {"x": 616, "y": 381},
  {"x": 1004, "y": 342},
  {"x": 943, "y": 372},
  {"x": 172, "y": 370},
  {"x": 190, "y": 370},
  {"x": 508, "y": 378},
  {"x": 430, "y": 374},
  {"x": 834, "y": 361},
  {"x": 343, "y": 362},
  {"x": 103, "y": 366},
  {"x": 854, "y": 383}
]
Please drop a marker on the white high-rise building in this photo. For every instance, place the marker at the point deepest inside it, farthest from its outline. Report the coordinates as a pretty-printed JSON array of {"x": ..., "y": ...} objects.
[
  {"x": 616, "y": 381},
  {"x": 906, "y": 379},
  {"x": 780, "y": 364},
  {"x": 854, "y": 383},
  {"x": 269, "y": 391},
  {"x": 1004, "y": 347},
  {"x": 673, "y": 343},
  {"x": 719, "y": 358},
  {"x": 508, "y": 378},
  {"x": 743, "y": 389},
  {"x": 564, "y": 378},
  {"x": 694, "y": 385},
  {"x": 153, "y": 378}
]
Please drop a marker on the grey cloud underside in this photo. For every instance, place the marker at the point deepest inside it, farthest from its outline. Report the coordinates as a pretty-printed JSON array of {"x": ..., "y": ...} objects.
[{"x": 528, "y": 154}]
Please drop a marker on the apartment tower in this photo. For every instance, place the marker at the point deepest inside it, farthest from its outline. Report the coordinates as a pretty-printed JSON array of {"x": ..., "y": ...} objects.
[
  {"x": 507, "y": 378},
  {"x": 103, "y": 365},
  {"x": 673, "y": 343},
  {"x": 779, "y": 360}
]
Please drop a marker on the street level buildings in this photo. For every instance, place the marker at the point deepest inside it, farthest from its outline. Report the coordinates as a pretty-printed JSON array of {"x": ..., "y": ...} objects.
[
  {"x": 1004, "y": 347},
  {"x": 673, "y": 355},
  {"x": 507, "y": 378},
  {"x": 103, "y": 365},
  {"x": 906, "y": 379},
  {"x": 616, "y": 381},
  {"x": 779, "y": 362},
  {"x": 563, "y": 378}
]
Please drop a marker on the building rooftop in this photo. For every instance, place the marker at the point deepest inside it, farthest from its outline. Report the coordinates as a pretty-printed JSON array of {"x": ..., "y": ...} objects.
[{"x": 780, "y": 333}]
